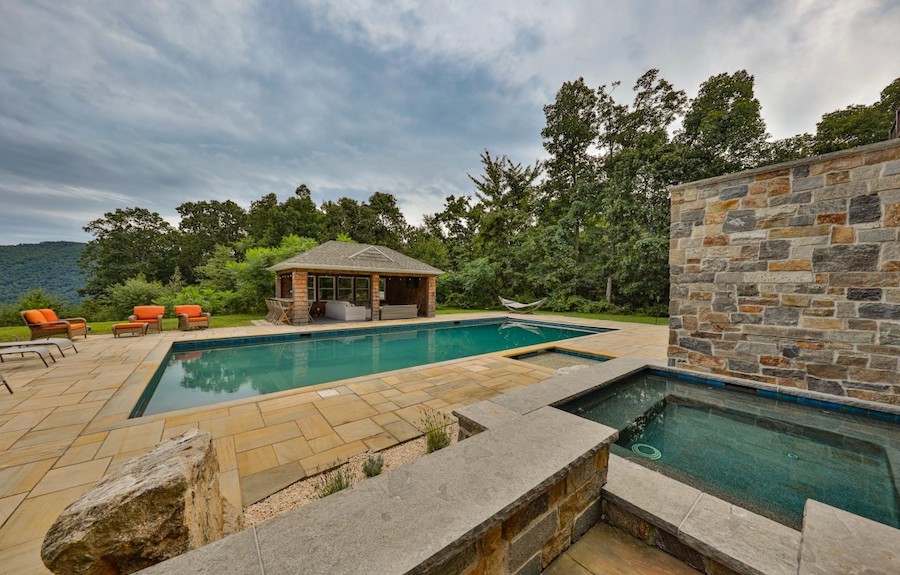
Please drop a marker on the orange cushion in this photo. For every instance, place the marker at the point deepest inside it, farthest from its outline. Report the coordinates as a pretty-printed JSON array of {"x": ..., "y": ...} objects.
[
  {"x": 128, "y": 325},
  {"x": 148, "y": 311},
  {"x": 191, "y": 310},
  {"x": 78, "y": 325},
  {"x": 34, "y": 316},
  {"x": 198, "y": 318},
  {"x": 142, "y": 320},
  {"x": 49, "y": 315}
]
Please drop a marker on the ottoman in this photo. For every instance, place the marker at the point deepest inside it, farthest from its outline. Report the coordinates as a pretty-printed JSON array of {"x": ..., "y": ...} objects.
[{"x": 133, "y": 327}]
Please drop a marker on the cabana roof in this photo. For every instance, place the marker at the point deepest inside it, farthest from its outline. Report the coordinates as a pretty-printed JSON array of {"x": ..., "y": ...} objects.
[{"x": 349, "y": 257}]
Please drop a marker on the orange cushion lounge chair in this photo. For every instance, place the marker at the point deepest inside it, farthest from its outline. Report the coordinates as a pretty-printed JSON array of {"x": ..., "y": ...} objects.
[
  {"x": 44, "y": 323},
  {"x": 152, "y": 315},
  {"x": 191, "y": 317}
]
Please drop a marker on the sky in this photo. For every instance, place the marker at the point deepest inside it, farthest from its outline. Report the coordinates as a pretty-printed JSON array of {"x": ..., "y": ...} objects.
[{"x": 110, "y": 104}]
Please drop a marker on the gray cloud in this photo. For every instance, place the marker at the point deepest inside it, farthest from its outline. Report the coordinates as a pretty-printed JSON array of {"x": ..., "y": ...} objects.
[{"x": 107, "y": 104}]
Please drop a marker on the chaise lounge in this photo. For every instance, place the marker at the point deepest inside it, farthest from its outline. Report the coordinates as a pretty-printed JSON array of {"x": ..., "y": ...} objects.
[
  {"x": 43, "y": 323},
  {"x": 151, "y": 315},
  {"x": 60, "y": 343},
  {"x": 40, "y": 351},
  {"x": 191, "y": 317}
]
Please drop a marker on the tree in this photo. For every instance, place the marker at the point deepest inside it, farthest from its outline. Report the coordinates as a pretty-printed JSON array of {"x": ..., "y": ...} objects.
[
  {"x": 570, "y": 132},
  {"x": 203, "y": 226},
  {"x": 639, "y": 163},
  {"x": 723, "y": 128},
  {"x": 127, "y": 242},
  {"x": 389, "y": 226},
  {"x": 269, "y": 222},
  {"x": 249, "y": 280},
  {"x": 858, "y": 125},
  {"x": 506, "y": 192},
  {"x": 456, "y": 224}
]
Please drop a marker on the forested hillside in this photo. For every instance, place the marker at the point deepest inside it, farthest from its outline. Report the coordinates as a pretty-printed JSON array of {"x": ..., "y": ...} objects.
[{"x": 51, "y": 266}]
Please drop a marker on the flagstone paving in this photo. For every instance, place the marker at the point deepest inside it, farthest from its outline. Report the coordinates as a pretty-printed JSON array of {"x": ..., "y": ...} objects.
[{"x": 67, "y": 425}]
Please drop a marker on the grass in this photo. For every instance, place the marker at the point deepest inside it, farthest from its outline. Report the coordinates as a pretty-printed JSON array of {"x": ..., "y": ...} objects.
[
  {"x": 334, "y": 481},
  {"x": 105, "y": 327},
  {"x": 436, "y": 426},
  {"x": 373, "y": 465},
  {"x": 633, "y": 318},
  {"x": 238, "y": 320}
]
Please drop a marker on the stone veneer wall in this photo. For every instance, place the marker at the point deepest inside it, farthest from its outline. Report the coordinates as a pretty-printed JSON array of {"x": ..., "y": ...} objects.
[{"x": 790, "y": 274}]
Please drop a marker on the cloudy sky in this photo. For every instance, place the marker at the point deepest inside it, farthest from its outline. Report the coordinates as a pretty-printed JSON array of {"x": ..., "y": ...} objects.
[{"x": 106, "y": 105}]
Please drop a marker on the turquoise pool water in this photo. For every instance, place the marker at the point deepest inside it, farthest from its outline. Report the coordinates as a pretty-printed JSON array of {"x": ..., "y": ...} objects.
[
  {"x": 201, "y": 373},
  {"x": 764, "y": 454}
]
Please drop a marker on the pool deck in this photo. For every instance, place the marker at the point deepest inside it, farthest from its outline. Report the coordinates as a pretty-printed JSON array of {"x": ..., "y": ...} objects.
[{"x": 67, "y": 426}]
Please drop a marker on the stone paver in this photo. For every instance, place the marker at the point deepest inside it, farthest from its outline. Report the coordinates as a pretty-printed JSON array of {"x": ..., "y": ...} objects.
[
  {"x": 605, "y": 550},
  {"x": 67, "y": 425}
]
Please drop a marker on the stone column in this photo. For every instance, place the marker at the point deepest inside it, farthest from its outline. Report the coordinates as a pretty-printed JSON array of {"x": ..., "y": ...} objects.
[
  {"x": 432, "y": 296},
  {"x": 373, "y": 294},
  {"x": 300, "y": 295}
]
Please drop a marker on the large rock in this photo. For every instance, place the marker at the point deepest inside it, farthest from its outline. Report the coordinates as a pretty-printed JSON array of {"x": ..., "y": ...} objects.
[{"x": 154, "y": 507}]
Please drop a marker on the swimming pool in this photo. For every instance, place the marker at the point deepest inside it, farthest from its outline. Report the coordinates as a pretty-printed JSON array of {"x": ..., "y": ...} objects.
[
  {"x": 204, "y": 372},
  {"x": 761, "y": 450}
]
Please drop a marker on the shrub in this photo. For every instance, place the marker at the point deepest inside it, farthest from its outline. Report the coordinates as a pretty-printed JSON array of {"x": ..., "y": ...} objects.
[
  {"x": 211, "y": 300},
  {"x": 121, "y": 298},
  {"x": 36, "y": 299},
  {"x": 436, "y": 426},
  {"x": 373, "y": 465},
  {"x": 333, "y": 481}
]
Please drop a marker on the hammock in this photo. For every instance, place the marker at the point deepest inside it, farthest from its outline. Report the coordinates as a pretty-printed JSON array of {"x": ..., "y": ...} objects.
[{"x": 515, "y": 306}]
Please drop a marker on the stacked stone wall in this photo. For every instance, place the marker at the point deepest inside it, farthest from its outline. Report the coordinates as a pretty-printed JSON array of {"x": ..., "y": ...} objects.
[{"x": 790, "y": 275}]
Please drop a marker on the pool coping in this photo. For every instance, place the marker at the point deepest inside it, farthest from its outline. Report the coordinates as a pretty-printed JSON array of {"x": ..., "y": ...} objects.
[{"x": 735, "y": 537}]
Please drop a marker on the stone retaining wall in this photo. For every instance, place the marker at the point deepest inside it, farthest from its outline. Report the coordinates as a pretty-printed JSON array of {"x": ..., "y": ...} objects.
[
  {"x": 506, "y": 502},
  {"x": 790, "y": 275}
]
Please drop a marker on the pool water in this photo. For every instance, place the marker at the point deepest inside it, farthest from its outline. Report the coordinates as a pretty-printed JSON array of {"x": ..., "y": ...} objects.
[
  {"x": 195, "y": 374},
  {"x": 763, "y": 454}
]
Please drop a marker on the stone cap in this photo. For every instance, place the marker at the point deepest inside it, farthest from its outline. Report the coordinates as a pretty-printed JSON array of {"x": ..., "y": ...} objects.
[
  {"x": 789, "y": 165},
  {"x": 836, "y": 542},
  {"x": 733, "y": 536},
  {"x": 568, "y": 386},
  {"x": 416, "y": 516}
]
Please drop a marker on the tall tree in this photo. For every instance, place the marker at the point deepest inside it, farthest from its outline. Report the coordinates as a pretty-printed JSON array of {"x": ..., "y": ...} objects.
[
  {"x": 269, "y": 221},
  {"x": 127, "y": 242},
  {"x": 571, "y": 130},
  {"x": 506, "y": 192},
  {"x": 203, "y": 226},
  {"x": 723, "y": 128},
  {"x": 858, "y": 125},
  {"x": 457, "y": 224},
  {"x": 630, "y": 232}
]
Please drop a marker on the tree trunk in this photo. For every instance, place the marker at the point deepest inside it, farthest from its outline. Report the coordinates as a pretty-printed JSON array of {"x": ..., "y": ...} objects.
[{"x": 609, "y": 288}]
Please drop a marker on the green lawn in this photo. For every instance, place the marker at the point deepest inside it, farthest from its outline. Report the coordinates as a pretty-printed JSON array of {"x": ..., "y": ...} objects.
[
  {"x": 105, "y": 327},
  {"x": 101, "y": 327}
]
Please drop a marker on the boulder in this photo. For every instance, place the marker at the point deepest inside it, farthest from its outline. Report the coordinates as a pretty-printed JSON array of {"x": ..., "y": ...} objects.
[{"x": 154, "y": 507}]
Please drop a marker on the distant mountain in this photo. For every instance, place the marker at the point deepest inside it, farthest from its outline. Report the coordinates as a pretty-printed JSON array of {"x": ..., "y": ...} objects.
[{"x": 51, "y": 266}]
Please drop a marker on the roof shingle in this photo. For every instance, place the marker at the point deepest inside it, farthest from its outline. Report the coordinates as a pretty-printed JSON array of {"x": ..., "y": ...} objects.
[{"x": 344, "y": 256}]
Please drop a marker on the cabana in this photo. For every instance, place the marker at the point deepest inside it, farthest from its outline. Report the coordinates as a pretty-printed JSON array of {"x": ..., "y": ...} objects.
[{"x": 386, "y": 283}]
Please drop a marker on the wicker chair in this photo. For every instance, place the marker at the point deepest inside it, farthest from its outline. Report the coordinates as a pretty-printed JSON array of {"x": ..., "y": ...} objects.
[
  {"x": 151, "y": 315},
  {"x": 191, "y": 317},
  {"x": 44, "y": 323}
]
